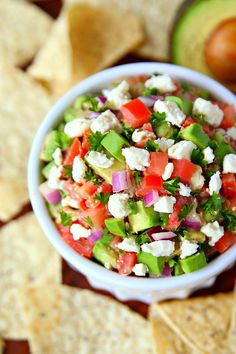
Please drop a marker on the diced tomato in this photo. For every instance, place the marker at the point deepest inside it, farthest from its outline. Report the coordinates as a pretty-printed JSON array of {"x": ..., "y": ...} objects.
[
  {"x": 96, "y": 215},
  {"x": 188, "y": 121},
  {"x": 126, "y": 262},
  {"x": 63, "y": 229},
  {"x": 158, "y": 162},
  {"x": 225, "y": 241},
  {"x": 229, "y": 118},
  {"x": 149, "y": 183},
  {"x": 114, "y": 242},
  {"x": 83, "y": 246},
  {"x": 72, "y": 189},
  {"x": 136, "y": 79},
  {"x": 85, "y": 143},
  {"x": 135, "y": 113},
  {"x": 148, "y": 127},
  {"x": 87, "y": 189},
  {"x": 173, "y": 221},
  {"x": 73, "y": 151},
  {"x": 184, "y": 169},
  {"x": 228, "y": 184},
  {"x": 178, "y": 87},
  {"x": 204, "y": 192},
  {"x": 206, "y": 129}
]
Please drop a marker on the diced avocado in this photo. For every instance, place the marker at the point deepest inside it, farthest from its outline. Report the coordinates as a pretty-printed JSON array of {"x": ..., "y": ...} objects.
[
  {"x": 71, "y": 113},
  {"x": 196, "y": 235},
  {"x": 164, "y": 129},
  {"x": 195, "y": 133},
  {"x": 80, "y": 101},
  {"x": 211, "y": 215},
  {"x": 219, "y": 137},
  {"x": 46, "y": 169},
  {"x": 116, "y": 226},
  {"x": 104, "y": 254},
  {"x": 205, "y": 94},
  {"x": 106, "y": 173},
  {"x": 144, "y": 217},
  {"x": 52, "y": 142},
  {"x": 184, "y": 104},
  {"x": 177, "y": 269},
  {"x": 113, "y": 143},
  {"x": 54, "y": 209},
  {"x": 155, "y": 264},
  {"x": 192, "y": 263}
]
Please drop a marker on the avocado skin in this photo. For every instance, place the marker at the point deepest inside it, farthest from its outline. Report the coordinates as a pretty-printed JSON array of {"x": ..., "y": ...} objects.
[
  {"x": 104, "y": 254},
  {"x": 144, "y": 217}
]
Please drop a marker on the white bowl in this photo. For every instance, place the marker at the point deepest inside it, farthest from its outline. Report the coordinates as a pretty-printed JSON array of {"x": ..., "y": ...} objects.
[{"x": 125, "y": 288}]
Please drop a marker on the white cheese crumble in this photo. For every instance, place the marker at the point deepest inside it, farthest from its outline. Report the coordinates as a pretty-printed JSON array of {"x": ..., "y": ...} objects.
[
  {"x": 140, "y": 269},
  {"x": 229, "y": 163},
  {"x": 188, "y": 248},
  {"x": 117, "y": 96},
  {"x": 163, "y": 83},
  {"x": 99, "y": 159},
  {"x": 140, "y": 135},
  {"x": 78, "y": 169},
  {"x": 67, "y": 201},
  {"x": 168, "y": 171},
  {"x": 197, "y": 179},
  {"x": 105, "y": 122},
  {"x": 231, "y": 132},
  {"x": 184, "y": 190},
  {"x": 181, "y": 150},
  {"x": 162, "y": 248},
  {"x": 77, "y": 127},
  {"x": 54, "y": 178},
  {"x": 136, "y": 159},
  {"x": 215, "y": 183},
  {"x": 164, "y": 144},
  {"x": 208, "y": 154},
  {"x": 174, "y": 115},
  {"x": 108, "y": 266},
  {"x": 57, "y": 157},
  {"x": 118, "y": 205},
  {"x": 165, "y": 204},
  {"x": 128, "y": 245},
  {"x": 213, "y": 114},
  {"x": 214, "y": 231},
  {"x": 78, "y": 231}
]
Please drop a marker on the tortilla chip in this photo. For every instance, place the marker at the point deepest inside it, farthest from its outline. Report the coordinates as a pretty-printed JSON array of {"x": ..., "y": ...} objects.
[
  {"x": 23, "y": 104},
  {"x": 231, "y": 340},
  {"x": 157, "y": 17},
  {"x": 201, "y": 323},
  {"x": 61, "y": 319},
  {"x": 26, "y": 258},
  {"x": 1, "y": 346},
  {"x": 100, "y": 36},
  {"x": 23, "y": 29}
]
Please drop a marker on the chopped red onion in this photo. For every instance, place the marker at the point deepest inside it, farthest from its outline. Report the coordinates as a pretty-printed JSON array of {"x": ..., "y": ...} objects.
[
  {"x": 166, "y": 270},
  {"x": 93, "y": 115},
  {"x": 120, "y": 181},
  {"x": 156, "y": 97},
  {"x": 102, "y": 99},
  {"x": 52, "y": 196},
  {"x": 153, "y": 230},
  {"x": 194, "y": 224},
  {"x": 163, "y": 235},
  {"x": 148, "y": 101},
  {"x": 189, "y": 96},
  {"x": 95, "y": 236},
  {"x": 150, "y": 198}
]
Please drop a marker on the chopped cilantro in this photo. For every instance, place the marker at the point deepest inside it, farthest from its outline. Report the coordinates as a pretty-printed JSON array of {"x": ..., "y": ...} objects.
[
  {"x": 133, "y": 206},
  {"x": 66, "y": 219},
  {"x": 151, "y": 146},
  {"x": 182, "y": 232},
  {"x": 201, "y": 119},
  {"x": 90, "y": 176},
  {"x": 157, "y": 117},
  {"x": 63, "y": 194},
  {"x": 147, "y": 91},
  {"x": 88, "y": 221},
  {"x": 67, "y": 171},
  {"x": 186, "y": 87},
  {"x": 214, "y": 203},
  {"x": 208, "y": 173},
  {"x": 163, "y": 219},
  {"x": 64, "y": 139},
  {"x": 197, "y": 157},
  {"x": 137, "y": 177},
  {"x": 185, "y": 211},
  {"x": 102, "y": 197},
  {"x": 172, "y": 186},
  {"x": 195, "y": 193},
  {"x": 95, "y": 140},
  {"x": 229, "y": 221},
  {"x": 128, "y": 132},
  {"x": 106, "y": 237},
  {"x": 142, "y": 238}
]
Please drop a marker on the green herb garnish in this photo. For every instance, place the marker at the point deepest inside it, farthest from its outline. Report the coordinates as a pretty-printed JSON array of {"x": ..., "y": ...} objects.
[
  {"x": 172, "y": 186},
  {"x": 185, "y": 211},
  {"x": 214, "y": 203},
  {"x": 163, "y": 219},
  {"x": 133, "y": 206},
  {"x": 147, "y": 91},
  {"x": 63, "y": 193},
  {"x": 201, "y": 119},
  {"x": 67, "y": 171},
  {"x": 88, "y": 220},
  {"x": 106, "y": 237},
  {"x": 186, "y": 87},
  {"x": 95, "y": 140},
  {"x": 229, "y": 221},
  {"x": 157, "y": 118},
  {"x": 66, "y": 219},
  {"x": 197, "y": 157},
  {"x": 142, "y": 238},
  {"x": 209, "y": 173},
  {"x": 102, "y": 197},
  {"x": 90, "y": 176},
  {"x": 128, "y": 132},
  {"x": 137, "y": 177},
  {"x": 181, "y": 231},
  {"x": 151, "y": 146}
]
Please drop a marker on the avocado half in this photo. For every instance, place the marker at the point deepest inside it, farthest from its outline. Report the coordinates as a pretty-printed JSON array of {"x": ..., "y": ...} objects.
[{"x": 196, "y": 22}]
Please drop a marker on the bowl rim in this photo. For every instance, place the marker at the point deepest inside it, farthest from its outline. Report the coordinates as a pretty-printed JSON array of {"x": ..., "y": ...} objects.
[{"x": 86, "y": 266}]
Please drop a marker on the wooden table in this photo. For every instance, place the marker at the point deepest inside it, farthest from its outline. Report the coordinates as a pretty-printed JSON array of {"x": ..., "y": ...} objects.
[{"x": 224, "y": 282}]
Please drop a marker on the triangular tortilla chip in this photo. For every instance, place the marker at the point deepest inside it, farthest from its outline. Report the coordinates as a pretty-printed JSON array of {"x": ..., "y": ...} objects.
[
  {"x": 231, "y": 340},
  {"x": 62, "y": 319},
  {"x": 1, "y": 346}
]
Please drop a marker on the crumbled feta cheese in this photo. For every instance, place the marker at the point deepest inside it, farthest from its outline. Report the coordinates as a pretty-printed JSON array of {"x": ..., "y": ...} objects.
[
  {"x": 165, "y": 204},
  {"x": 57, "y": 156},
  {"x": 128, "y": 245},
  {"x": 164, "y": 144},
  {"x": 105, "y": 122},
  {"x": 140, "y": 269},
  {"x": 197, "y": 179},
  {"x": 214, "y": 231},
  {"x": 213, "y": 114},
  {"x": 231, "y": 132},
  {"x": 188, "y": 248},
  {"x": 136, "y": 159},
  {"x": 117, "y": 96},
  {"x": 77, "y": 127},
  {"x": 168, "y": 171},
  {"x": 140, "y": 135},
  {"x": 99, "y": 159},
  {"x": 229, "y": 163},
  {"x": 118, "y": 205},
  {"x": 184, "y": 190},
  {"x": 174, "y": 115},
  {"x": 67, "y": 201},
  {"x": 108, "y": 266},
  {"x": 162, "y": 248},
  {"x": 54, "y": 178},
  {"x": 78, "y": 231},
  {"x": 163, "y": 83},
  {"x": 215, "y": 183},
  {"x": 78, "y": 169},
  {"x": 181, "y": 150},
  {"x": 208, "y": 154}
]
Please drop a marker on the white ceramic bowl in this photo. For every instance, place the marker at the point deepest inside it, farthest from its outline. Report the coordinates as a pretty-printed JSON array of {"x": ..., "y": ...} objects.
[{"x": 125, "y": 288}]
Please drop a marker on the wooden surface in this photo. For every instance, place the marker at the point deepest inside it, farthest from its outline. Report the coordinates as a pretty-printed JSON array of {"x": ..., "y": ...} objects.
[{"x": 224, "y": 282}]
